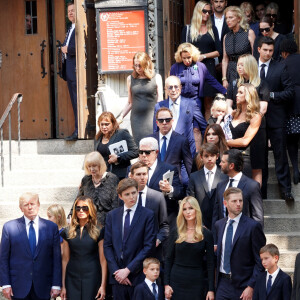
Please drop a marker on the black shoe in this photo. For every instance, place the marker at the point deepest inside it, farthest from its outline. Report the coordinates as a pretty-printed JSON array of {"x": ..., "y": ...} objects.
[
  {"x": 73, "y": 137},
  {"x": 296, "y": 177},
  {"x": 288, "y": 197}
]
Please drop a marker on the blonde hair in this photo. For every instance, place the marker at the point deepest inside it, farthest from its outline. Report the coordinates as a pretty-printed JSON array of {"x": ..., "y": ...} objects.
[
  {"x": 92, "y": 228},
  {"x": 239, "y": 14},
  {"x": 150, "y": 260},
  {"x": 28, "y": 196},
  {"x": 146, "y": 64},
  {"x": 58, "y": 212},
  {"x": 197, "y": 21},
  {"x": 189, "y": 48},
  {"x": 252, "y": 101},
  {"x": 182, "y": 224},
  {"x": 94, "y": 158},
  {"x": 250, "y": 68},
  {"x": 247, "y": 7},
  {"x": 219, "y": 104}
]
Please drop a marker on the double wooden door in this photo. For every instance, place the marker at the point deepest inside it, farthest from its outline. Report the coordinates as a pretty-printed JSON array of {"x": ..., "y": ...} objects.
[{"x": 29, "y": 35}]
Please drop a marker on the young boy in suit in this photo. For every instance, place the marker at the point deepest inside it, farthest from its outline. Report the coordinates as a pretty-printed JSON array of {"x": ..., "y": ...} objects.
[
  {"x": 149, "y": 289},
  {"x": 273, "y": 284}
]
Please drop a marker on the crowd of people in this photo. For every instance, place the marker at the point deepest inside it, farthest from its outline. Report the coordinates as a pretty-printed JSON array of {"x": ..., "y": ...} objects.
[{"x": 175, "y": 210}]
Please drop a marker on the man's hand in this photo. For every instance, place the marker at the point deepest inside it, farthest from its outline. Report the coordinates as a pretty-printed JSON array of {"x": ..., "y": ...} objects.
[
  {"x": 121, "y": 275},
  {"x": 165, "y": 186},
  {"x": 64, "y": 49},
  {"x": 157, "y": 243},
  {"x": 7, "y": 293},
  {"x": 247, "y": 293},
  {"x": 54, "y": 293}
]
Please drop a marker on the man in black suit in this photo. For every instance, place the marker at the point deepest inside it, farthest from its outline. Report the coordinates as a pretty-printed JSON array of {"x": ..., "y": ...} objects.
[
  {"x": 282, "y": 92},
  {"x": 239, "y": 240},
  {"x": 174, "y": 148},
  {"x": 203, "y": 183},
  {"x": 153, "y": 200},
  {"x": 69, "y": 67},
  {"x": 232, "y": 165},
  {"x": 148, "y": 152}
]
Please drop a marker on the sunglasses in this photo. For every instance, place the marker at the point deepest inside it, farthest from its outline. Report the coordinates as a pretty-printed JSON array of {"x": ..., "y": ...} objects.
[
  {"x": 271, "y": 15},
  {"x": 207, "y": 11},
  {"x": 83, "y": 208},
  {"x": 171, "y": 87},
  {"x": 220, "y": 98},
  {"x": 267, "y": 29},
  {"x": 168, "y": 120},
  {"x": 147, "y": 152}
]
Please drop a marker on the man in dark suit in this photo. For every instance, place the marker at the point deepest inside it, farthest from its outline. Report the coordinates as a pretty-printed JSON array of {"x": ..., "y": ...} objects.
[
  {"x": 203, "y": 183},
  {"x": 30, "y": 257},
  {"x": 153, "y": 200},
  {"x": 148, "y": 152},
  {"x": 282, "y": 92},
  {"x": 232, "y": 165},
  {"x": 174, "y": 148},
  {"x": 296, "y": 281},
  {"x": 129, "y": 239},
  {"x": 188, "y": 119},
  {"x": 239, "y": 240},
  {"x": 69, "y": 67}
]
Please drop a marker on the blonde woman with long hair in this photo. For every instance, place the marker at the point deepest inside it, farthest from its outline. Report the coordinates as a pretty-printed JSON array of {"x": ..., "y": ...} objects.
[
  {"x": 238, "y": 41},
  {"x": 145, "y": 89},
  {"x": 247, "y": 69},
  {"x": 204, "y": 35},
  {"x": 184, "y": 271},
  {"x": 84, "y": 267}
]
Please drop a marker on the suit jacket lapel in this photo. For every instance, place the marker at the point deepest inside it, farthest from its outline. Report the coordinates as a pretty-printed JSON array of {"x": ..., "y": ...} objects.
[
  {"x": 204, "y": 182},
  {"x": 216, "y": 179},
  {"x": 277, "y": 279},
  {"x": 146, "y": 287},
  {"x": 240, "y": 229},
  {"x": 182, "y": 112},
  {"x": 155, "y": 173},
  {"x": 170, "y": 145},
  {"x": 119, "y": 224},
  {"x": 42, "y": 234},
  {"x": 23, "y": 234},
  {"x": 270, "y": 69},
  {"x": 148, "y": 199},
  {"x": 134, "y": 220},
  {"x": 242, "y": 183}
]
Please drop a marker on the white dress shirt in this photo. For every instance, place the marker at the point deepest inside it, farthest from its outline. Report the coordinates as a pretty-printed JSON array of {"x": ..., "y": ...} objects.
[
  {"x": 69, "y": 36},
  {"x": 267, "y": 63},
  {"x": 144, "y": 195},
  {"x": 274, "y": 275},
  {"x": 131, "y": 213},
  {"x": 161, "y": 140},
  {"x": 234, "y": 227},
  {"x": 219, "y": 25},
  {"x": 175, "y": 108},
  {"x": 212, "y": 175},
  {"x": 236, "y": 180},
  {"x": 149, "y": 283},
  {"x": 35, "y": 226},
  {"x": 151, "y": 170}
]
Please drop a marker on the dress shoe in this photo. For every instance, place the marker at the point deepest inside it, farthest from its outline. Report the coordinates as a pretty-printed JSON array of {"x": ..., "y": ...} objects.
[
  {"x": 296, "y": 177},
  {"x": 73, "y": 137},
  {"x": 288, "y": 197}
]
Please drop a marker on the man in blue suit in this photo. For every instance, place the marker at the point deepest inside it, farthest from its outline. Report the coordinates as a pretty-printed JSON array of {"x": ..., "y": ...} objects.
[
  {"x": 129, "y": 239},
  {"x": 188, "y": 119},
  {"x": 239, "y": 240},
  {"x": 173, "y": 147},
  {"x": 69, "y": 67},
  {"x": 30, "y": 257}
]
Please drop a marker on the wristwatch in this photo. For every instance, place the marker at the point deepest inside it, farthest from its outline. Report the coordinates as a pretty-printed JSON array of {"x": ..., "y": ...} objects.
[
  {"x": 204, "y": 56},
  {"x": 272, "y": 95}
]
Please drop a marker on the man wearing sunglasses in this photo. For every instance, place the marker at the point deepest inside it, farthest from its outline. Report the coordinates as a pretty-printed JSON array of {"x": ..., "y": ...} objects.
[
  {"x": 187, "y": 118},
  {"x": 174, "y": 148}
]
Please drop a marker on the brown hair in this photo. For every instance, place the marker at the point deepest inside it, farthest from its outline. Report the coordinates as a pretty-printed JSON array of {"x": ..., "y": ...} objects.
[
  {"x": 271, "y": 248},
  {"x": 108, "y": 116},
  {"x": 163, "y": 109},
  {"x": 146, "y": 64},
  {"x": 230, "y": 191},
  {"x": 137, "y": 165},
  {"x": 150, "y": 260},
  {"x": 208, "y": 147},
  {"x": 125, "y": 184}
]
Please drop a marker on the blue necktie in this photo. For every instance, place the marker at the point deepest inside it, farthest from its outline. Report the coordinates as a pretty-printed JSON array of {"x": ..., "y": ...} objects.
[
  {"x": 228, "y": 247},
  {"x": 154, "y": 291},
  {"x": 126, "y": 225},
  {"x": 262, "y": 71},
  {"x": 32, "y": 238},
  {"x": 140, "y": 199},
  {"x": 163, "y": 150},
  {"x": 269, "y": 284}
]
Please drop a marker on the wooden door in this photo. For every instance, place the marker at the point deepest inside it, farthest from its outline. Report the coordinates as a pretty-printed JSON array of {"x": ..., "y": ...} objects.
[{"x": 25, "y": 49}]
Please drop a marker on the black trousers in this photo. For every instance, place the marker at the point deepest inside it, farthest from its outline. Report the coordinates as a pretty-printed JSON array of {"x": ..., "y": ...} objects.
[
  {"x": 31, "y": 296},
  {"x": 72, "y": 86},
  {"x": 226, "y": 290}
]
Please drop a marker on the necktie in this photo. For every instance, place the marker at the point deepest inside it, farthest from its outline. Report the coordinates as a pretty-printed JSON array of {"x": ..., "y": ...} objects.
[
  {"x": 154, "y": 290},
  {"x": 269, "y": 284},
  {"x": 209, "y": 173},
  {"x": 32, "y": 238},
  {"x": 175, "y": 114},
  {"x": 126, "y": 225},
  {"x": 140, "y": 199},
  {"x": 230, "y": 182},
  {"x": 228, "y": 247},
  {"x": 262, "y": 71},
  {"x": 163, "y": 150}
]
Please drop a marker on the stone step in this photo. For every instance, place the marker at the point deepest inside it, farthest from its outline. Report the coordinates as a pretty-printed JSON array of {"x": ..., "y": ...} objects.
[
  {"x": 287, "y": 240},
  {"x": 281, "y": 223},
  {"x": 279, "y": 206},
  {"x": 274, "y": 193},
  {"x": 287, "y": 258}
]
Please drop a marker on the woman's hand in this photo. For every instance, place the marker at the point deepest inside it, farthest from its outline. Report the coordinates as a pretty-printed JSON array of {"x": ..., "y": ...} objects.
[
  {"x": 210, "y": 296},
  {"x": 63, "y": 293},
  {"x": 101, "y": 293},
  {"x": 168, "y": 292},
  {"x": 113, "y": 158},
  {"x": 225, "y": 83}
]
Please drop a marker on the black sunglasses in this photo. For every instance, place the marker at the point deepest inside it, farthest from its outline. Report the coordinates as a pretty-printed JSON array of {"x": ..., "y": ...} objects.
[
  {"x": 83, "y": 208},
  {"x": 147, "y": 152},
  {"x": 171, "y": 87},
  {"x": 220, "y": 98},
  {"x": 271, "y": 15},
  {"x": 168, "y": 120},
  {"x": 207, "y": 11},
  {"x": 267, "y": 29}
]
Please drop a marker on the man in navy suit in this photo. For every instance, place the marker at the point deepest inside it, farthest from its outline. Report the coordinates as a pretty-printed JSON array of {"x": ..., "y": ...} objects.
[
  {"x": 129, "y": 239},
  {"x": 148, "y": 153},
  {"x": 30, "y": 257},
  {"x": 232, "y": 165},
  {"x": 173, "y": 147},
  {"x": 69, "y": 67},
  {"x": 153, "y": 200},
  {"x": 188, "y": 119},
  {"x": 239, "y": 240}
]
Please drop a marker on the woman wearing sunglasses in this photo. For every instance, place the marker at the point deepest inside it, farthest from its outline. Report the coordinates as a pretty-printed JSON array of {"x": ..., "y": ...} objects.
[
  {"x": 204, "y": 35},
  {"x": 84, "y": 267}
]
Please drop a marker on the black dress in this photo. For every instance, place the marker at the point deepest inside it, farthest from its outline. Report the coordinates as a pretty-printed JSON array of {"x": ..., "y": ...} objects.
[
  {"x": 187, "y": 267},
  {"x": 206, "y": 44},
  {"x": 83, "y": 271}
]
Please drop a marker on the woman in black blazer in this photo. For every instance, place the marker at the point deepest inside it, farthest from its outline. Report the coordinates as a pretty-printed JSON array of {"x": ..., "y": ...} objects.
[{"x": 109, "y": 134}]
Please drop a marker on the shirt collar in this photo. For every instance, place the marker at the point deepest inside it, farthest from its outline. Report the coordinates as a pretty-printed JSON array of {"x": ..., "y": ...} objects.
[
  {"x": 154, "y": 165},
  {"x": 144, "y": 191},
  {"x": 35, "y": 220},
  {"x": 149, "y": 282},
  {"x": 237, "y": 177},
  {"x": 214, "y": 169},
  {"x": 133, "y": 208},
  {"x": 274, "y": 274},
  {"x": 168, "y": 135},
  {"x": 177, "y": 101},
  {"x": 219, "y": 19},
  {"x": 267, "y": 63},
  {"x": 73, "y": 25},
  {"x": 236, "y": 219}
]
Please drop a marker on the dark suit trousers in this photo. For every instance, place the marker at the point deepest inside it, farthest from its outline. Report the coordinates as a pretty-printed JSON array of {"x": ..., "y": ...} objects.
[
  {"x": 72, "y": 86},
  {"x": 122, "y": 292},
  {"x": 226, "y": 291},
  {"x": 31, "y": 296}
]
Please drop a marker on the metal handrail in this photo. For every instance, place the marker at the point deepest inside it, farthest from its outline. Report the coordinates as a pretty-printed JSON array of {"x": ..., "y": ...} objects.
[{"x": 6, "y": 113}]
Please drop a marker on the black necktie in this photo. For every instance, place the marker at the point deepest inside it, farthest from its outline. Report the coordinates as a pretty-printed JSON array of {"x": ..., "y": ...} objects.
[
  {"x": 126, "y": 224},
  {"x": 269, "y": 284},
  {"x": 140, "y": 199},
  {"x": 154, "y": 291},
  {"x": 262, "y": 71}
]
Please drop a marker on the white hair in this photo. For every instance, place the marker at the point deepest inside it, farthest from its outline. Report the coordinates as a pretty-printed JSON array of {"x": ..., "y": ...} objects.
[{"x": 149, "y": 141}]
